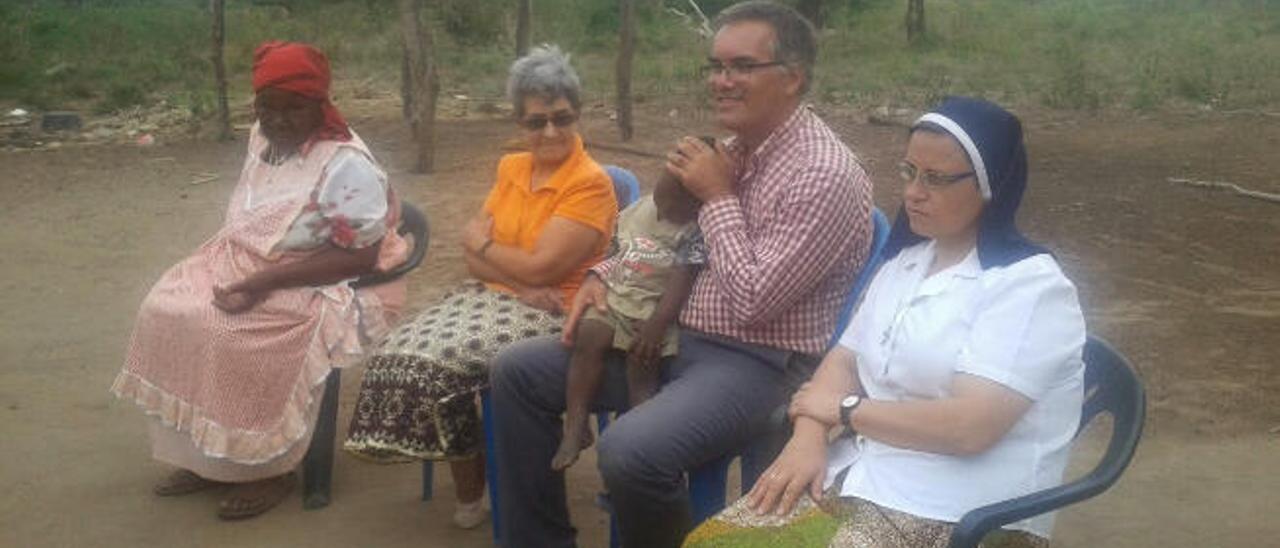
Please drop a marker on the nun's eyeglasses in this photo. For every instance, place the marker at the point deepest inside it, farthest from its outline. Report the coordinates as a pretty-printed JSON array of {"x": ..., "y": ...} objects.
[{"x": 909, "y": 172}]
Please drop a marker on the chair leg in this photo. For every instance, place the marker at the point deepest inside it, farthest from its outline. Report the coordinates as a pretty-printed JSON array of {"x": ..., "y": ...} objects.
[
  {"x": 707, "y": 487},
  {"x": 615, "y": 539},
  {"x": 317, "y": 466},
  {"x": 428, "y": 473},
  {"x": 491, "y": 466}
]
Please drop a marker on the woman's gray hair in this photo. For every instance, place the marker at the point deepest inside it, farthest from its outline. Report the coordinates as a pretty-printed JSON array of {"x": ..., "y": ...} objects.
[
  {"x": 795, "y": 44},
  {"x": 544, "y": 73}
]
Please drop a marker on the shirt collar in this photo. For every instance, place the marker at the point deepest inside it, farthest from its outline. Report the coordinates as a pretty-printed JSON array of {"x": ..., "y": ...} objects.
[
  {"x": 561, "y": 177},
  {"x": 918, "y": 261}
]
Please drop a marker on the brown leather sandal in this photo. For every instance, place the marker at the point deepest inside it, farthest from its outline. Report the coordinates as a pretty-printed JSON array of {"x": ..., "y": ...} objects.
[
  {"x": 247, "y": 500},
  {"x": 183, "y": 482}
]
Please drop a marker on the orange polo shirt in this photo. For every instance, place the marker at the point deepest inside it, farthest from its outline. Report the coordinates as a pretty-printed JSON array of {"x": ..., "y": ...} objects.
[{"x": 579, "y": 191}]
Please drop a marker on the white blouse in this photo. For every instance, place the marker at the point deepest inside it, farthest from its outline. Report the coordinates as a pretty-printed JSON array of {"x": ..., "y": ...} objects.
[
  {"x": 348, "y": 210},
  {"x": 1018, "y": 325}
]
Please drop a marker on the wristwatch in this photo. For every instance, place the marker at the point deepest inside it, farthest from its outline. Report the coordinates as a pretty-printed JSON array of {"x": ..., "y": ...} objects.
[{"x": 847, "y": 405}]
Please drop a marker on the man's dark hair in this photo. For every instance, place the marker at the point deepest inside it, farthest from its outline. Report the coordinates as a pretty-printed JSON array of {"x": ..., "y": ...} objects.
[{"x": 796, "y": 42}]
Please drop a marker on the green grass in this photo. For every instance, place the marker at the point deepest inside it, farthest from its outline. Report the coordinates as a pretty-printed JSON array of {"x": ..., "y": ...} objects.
[{"x": 1068, "y": 54}]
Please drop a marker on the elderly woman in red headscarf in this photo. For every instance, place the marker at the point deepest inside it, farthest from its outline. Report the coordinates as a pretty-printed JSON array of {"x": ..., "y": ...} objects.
[{"x": 232, "y": 346}]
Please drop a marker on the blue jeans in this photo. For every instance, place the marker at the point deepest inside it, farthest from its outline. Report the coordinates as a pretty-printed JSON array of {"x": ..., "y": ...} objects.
[{"x": 717, "y": 394}]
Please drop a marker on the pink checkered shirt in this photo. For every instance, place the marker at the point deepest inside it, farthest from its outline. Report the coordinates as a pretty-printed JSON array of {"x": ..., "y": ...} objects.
[{"x": 785, "y": 248}]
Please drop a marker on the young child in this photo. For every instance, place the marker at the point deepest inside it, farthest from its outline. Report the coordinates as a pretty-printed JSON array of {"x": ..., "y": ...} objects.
[{"x": 655, "y": 256}]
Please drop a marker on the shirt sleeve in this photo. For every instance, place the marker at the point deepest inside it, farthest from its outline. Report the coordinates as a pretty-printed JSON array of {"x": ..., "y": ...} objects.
[
  {"x": 590, "y": 202},
  {"x": 611, "y": 260},
  {"x": 352, "y": 201},
  {"x": 766, "y": 271},
  {"x": 1028, "y": 333}
]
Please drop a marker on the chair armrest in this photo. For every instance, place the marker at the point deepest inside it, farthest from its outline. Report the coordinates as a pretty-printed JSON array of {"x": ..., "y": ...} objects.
[
  {"x": 978, "y": 522},
  {"x": 412, "y": 222}
]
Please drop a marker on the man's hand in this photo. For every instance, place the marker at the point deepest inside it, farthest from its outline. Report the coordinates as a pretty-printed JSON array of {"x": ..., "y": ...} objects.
[
  {"x": 547, "y": 299},
  {"x": 646, "y": 349},
  {"x": 236, "y": 298},
  {"x": 590, "y": 293},
  {"x": 705, "y": 171},
  {"x": 817, "y": 403}
]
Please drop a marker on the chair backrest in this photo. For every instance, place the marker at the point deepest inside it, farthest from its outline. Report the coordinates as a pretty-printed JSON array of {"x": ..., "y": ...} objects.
[
  {"x": 1111, "y": 385},
  {"x": 626, "y": 188},
  {"x": 412, "y": 223},
  {"x": 879, "y": 235}
]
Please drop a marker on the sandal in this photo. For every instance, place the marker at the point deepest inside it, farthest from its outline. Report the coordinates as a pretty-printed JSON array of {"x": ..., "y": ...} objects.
[
  {"x": 183, "y": 482},
  {"x": 247, "y": 500}
]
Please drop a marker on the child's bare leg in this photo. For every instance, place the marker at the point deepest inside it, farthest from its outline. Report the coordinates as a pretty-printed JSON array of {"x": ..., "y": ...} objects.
[
  {"x": 642, "y": 381},
  {"x": 586, "y": 371}
]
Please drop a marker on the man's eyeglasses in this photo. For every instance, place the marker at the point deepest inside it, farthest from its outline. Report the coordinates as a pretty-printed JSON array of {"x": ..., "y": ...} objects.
[
  {"x": 539, "y": 121},
  {"x": 909, "y": 172},
  {"x": 735, "y": 68}
]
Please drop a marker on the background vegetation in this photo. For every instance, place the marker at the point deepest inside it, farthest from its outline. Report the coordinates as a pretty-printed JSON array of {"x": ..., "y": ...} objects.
[{"x": 1069, "y": 54}]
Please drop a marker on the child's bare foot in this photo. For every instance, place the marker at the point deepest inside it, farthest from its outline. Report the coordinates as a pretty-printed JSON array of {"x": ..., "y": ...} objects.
[{"x": 577, "y": 436}]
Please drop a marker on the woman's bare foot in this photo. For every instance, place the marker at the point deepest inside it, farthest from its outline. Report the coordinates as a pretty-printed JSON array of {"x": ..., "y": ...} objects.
[
  {"x": 577, "y": 436},
  {"x": 251, "y": 499},
  {"x": 183, "y": 482}
]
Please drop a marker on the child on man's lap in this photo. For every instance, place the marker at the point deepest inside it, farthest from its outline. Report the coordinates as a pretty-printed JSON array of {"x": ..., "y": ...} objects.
[{"x": 655, "y": 256}]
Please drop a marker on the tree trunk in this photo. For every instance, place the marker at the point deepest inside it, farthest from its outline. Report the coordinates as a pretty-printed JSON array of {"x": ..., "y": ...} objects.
[
  {"x": 220, "y": 68},
  {"x": 915, "y": 21},
  {"x": 524, "y": 11},
  {"x": 626, "y": 52},
  {"x": 811, "y": 10},
  {"x": 423, "y": 85}
]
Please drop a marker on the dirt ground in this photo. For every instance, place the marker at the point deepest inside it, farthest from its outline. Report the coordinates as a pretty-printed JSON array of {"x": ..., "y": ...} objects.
[{"x": 1185, "y": 281}]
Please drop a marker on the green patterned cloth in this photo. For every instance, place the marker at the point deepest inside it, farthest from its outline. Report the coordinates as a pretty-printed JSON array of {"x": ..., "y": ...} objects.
[{"x": 837, "y": 522}]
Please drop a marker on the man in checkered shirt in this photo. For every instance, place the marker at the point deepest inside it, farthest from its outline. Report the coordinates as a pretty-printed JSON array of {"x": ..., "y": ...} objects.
[{"x": 787, "y": 225}]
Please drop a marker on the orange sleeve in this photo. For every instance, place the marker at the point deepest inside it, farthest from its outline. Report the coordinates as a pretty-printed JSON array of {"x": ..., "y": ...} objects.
[
  {"x": 590, "y": 201},
  {"x": 493, "y": 202}
]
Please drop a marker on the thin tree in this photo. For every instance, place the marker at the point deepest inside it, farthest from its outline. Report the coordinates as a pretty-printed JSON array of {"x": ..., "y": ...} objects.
[
  {"x": 220, "y": 68},
  {"x": 626, "y": 52},
  {"x": 915, "y": 21},
  {"x": 811, "y": 10},
  {"x": 423, "y": 85},
  {"x": 524, "y": 11}
]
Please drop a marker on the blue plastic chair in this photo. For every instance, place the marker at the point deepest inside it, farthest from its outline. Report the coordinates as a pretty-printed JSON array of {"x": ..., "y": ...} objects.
[
  {"x": 626, "y": 189},
  {"x": 1111, "y": 385},
  {"x": 707, "y": 484},
  {"x": 317, "y": 466}
]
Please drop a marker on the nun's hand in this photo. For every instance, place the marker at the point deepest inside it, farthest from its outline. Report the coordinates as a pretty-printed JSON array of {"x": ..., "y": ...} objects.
[
  {"x": 704, "y": 170},
  {"x": 802, "y": 467},
  {"x": 814, "y": 401}
]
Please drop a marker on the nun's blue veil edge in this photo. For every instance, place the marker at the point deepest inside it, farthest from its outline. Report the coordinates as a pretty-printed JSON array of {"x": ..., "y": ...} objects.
[{"x": 997, "y": 135}]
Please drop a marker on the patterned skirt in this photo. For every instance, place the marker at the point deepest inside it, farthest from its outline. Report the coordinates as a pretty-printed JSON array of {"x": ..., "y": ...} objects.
[
  {"x": 418, "y": 397},
  {"x": 837, "y": 522}
]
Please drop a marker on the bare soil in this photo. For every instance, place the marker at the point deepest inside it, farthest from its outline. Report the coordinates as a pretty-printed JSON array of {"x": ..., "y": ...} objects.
[{"x": 1184, "y": 281}]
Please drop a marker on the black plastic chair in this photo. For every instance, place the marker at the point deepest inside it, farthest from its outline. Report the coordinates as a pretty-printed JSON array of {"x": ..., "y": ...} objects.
[
  {"x": 317, "y": 466},
  {"x": 1111, "y": 385}
]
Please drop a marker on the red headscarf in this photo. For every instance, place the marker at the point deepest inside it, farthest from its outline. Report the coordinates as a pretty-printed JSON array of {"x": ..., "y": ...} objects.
[{"x": 301, "y": 69}]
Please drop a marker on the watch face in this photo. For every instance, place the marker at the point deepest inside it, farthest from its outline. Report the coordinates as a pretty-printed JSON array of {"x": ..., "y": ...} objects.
[{"x": 848, "y": 401}]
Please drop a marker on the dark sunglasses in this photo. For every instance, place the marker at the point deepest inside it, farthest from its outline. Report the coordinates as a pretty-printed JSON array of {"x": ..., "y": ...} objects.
[{"x": 559, "y": 119}]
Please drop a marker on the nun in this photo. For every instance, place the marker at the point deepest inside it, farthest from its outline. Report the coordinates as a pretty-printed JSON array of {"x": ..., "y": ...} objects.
[{"x": 957, "y": 384}]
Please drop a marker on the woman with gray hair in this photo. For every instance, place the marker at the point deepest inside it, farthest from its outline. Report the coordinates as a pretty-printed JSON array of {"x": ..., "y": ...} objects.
[{"x": 548, "y": 217}]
